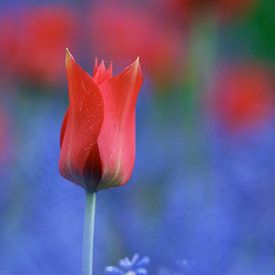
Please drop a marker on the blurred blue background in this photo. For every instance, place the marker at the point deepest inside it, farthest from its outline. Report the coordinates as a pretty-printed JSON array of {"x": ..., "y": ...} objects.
[{"x": 202, "y": 196}]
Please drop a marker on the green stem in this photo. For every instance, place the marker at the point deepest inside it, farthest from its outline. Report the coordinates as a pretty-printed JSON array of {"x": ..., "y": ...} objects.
[{"x": 88, "y": 234}]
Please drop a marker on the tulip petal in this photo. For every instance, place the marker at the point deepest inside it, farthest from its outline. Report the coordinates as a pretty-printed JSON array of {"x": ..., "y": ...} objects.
[
  {"x": 116, "y": 141},
  {"x": 95, "y": 66},
  {"x": 102, "y": 74},
  {"x": 81, "y": 126},
  {"x": 63, "y": 127}
]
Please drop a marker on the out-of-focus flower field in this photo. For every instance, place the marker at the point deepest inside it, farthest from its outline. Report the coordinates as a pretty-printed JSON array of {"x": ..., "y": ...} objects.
[{"x": 201, "y": 200}]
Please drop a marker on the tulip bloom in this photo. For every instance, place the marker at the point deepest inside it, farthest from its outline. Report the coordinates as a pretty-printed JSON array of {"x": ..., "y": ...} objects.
[{"x": 98, "y": 132}]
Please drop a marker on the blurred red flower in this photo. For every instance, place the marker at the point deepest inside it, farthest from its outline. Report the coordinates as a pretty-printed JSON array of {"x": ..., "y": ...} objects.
[
  {"x": 243, "y": 95},
  {"x": 189, "y": 9},
  {"x": 9, "y": 45},
  {"x": 98, "y": 132},
  {"x": 122, "y": 32},
  {"x": 45, "y": 33}
]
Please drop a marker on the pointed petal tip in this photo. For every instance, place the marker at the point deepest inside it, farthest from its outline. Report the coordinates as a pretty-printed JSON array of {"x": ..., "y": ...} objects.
[
  {"x": 136, "y": 63},
  {"x": 69, "y": 56},
  {"x": 68, "y": 53},
  {"x": 136, "y": 66},
  {"x": 133, "y": 69},
  {"x": 95, "y": 66}
]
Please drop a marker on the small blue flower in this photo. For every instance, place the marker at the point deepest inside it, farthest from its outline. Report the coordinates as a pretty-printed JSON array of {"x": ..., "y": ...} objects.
[{"x": 136, "y": 266}]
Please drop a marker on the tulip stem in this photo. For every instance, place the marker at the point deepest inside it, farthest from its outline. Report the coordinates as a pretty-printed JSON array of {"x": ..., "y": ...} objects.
[{"x": 88, "y": 234}]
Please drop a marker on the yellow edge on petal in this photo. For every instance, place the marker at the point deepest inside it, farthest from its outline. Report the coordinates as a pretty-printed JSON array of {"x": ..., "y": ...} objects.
[{"x": 114, "y": 179}]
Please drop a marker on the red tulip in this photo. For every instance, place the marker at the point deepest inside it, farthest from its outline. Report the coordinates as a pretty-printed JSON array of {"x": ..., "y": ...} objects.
[
  {"x": 98, "y": 132},
  {"x": 244, "y": 96}
]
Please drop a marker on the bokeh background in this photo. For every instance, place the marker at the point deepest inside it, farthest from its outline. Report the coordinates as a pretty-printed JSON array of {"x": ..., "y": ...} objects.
[{"x": 202, "y": 196}]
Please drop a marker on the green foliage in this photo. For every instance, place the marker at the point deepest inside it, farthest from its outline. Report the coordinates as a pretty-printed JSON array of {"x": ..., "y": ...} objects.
[{"x": 254, "y": 35}]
